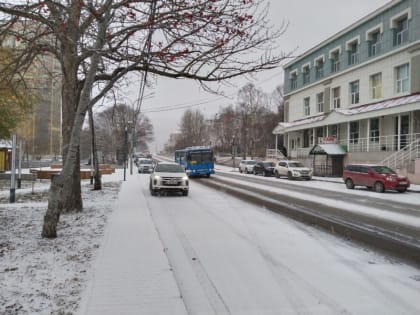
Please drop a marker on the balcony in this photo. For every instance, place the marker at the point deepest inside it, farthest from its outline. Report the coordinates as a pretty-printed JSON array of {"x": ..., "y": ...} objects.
[
  {"x": 381, "y": 143},
  {"x": 389, "y": 143}
]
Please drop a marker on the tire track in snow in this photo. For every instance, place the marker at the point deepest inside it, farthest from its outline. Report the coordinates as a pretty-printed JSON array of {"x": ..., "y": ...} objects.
[{"x": 285, "y": 273}]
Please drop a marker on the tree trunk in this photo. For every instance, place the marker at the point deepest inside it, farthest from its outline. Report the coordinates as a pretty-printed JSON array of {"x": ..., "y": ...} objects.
[
  {"x": 65, "y": 188},
  {"x": 51, "y": 217},
  {"x": 72, "y": 198}
]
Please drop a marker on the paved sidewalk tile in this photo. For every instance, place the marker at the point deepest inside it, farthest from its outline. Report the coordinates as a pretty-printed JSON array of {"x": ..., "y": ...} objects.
[{"x": 131, "y": 274}]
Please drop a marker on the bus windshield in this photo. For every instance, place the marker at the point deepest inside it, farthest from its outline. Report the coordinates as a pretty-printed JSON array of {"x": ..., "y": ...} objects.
[
  {"x": 201, "y": 157},
  {"x": 197, "y": 160}
]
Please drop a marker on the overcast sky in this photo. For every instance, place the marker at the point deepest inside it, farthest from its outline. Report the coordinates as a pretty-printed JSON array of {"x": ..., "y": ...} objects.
[{"x": 310, "y": 22}]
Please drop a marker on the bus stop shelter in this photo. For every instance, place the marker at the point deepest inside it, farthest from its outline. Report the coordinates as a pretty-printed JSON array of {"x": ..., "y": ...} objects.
[
  {"x": 328, "y": 160},
  {"x": 5, "y": 155}
]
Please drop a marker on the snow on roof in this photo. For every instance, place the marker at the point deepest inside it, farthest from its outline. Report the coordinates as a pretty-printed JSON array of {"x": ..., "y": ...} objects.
[
  {"x": 5, "y": 144},
  {"x": 385, "y": 104},
  {"x": 307, "y": 120},
  {"x": 329, "y": 149},
  {"x": 389, "y": 103}
]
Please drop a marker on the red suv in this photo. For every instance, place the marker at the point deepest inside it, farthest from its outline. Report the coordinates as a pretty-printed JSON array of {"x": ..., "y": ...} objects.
[{"x": 378, "y": 177}]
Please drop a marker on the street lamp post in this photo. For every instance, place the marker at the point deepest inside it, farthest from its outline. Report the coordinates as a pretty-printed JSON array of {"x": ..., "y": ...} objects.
[
  {"x": 234, "y": 148},
  {"x": 125, "y": 150},
  {"x": 132, "y": 148}
]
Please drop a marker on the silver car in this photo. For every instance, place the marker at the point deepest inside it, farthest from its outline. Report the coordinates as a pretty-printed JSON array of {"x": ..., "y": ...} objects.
[
  {"x": 247, "y": 166},
  {"x": 293, "y": 170},
  {"x": 145, "y": 165}
]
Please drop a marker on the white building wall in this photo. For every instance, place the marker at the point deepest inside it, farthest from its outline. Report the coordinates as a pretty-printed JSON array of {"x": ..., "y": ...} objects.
[{"x": 386, "y": 66}]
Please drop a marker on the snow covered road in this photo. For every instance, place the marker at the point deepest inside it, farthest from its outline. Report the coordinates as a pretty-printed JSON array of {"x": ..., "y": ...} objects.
[{"x": 231, "y": 257}]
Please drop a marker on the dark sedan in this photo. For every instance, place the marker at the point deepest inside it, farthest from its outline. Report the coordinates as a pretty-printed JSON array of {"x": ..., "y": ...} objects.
[{"x": 265, "y": 168}]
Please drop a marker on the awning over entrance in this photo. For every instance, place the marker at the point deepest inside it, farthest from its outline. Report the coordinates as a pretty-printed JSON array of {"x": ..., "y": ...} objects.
[{"x": 327, "y": 149}]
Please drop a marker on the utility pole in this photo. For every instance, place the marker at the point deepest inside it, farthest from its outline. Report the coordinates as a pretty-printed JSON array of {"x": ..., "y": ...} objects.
[
  {"x": 132, "y": 146},
  {"x": 19, "y": 181},
  {"x": 125, "y": 150}
]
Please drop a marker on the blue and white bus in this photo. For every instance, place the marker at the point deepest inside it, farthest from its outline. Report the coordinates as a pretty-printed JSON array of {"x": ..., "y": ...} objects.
[{"x": 197, "y": 161}]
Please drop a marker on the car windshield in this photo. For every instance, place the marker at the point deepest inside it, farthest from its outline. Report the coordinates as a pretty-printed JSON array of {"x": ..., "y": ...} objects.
[
  {"x": 383, "y": 170},
  {"x": 169, "y": 168},
  {"x": 296, "y": 164},
  {"x": 145, "y": 161},
  {"x": 268, "y": 164},
  {"x": 251, "y": 162}
]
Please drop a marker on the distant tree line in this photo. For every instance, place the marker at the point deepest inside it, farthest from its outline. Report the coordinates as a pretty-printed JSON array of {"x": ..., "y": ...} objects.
[
  {"x": 247, "y": 124},
  {"x": 115, "y": 135}
]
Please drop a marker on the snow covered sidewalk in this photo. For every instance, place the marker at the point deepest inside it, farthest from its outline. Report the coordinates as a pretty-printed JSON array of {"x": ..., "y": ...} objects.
[{"x": 131, "y": 274}]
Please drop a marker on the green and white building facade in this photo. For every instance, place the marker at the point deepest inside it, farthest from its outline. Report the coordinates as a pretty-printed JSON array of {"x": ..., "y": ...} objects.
[{"x": 359, "y": 90}]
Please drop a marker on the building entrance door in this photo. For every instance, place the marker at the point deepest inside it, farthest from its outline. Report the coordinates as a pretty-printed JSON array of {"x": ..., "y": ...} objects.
[{"x": 402, "y": 137}]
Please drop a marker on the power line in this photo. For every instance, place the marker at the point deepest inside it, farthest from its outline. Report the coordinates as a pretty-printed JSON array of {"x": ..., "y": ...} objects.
[{"x": 186, "y": 105}]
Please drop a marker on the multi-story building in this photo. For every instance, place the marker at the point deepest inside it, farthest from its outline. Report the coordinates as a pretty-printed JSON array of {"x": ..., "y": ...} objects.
[
  {"x": 41, "y": 130},
  {"x": 359, "y": 89}
]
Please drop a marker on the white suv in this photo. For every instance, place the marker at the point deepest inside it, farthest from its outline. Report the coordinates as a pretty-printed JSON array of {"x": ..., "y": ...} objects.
[
  {"x": 292, "y": 169},
  {"x": 247, "y": 166},
  {"x": 168, "y": 177},
  {"x": 145, "y": 165}
]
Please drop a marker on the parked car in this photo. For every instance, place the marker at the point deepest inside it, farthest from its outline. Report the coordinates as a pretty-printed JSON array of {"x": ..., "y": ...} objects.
[
  {"x": 378, "y": 177},
  {"x": 293, "y": 170},
  {"x": 168, "y": 177},
  {"x": 144, "y": 165},
  {"x": 247, "y": 166},
  {"x": 265, "y": 168}
]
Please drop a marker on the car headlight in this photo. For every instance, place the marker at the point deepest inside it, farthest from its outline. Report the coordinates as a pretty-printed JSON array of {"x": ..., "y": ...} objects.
[
  {"x": 156, "y": 180},
  {"x": 185, "y": 178},
  {"x": 391, "y": 179}
]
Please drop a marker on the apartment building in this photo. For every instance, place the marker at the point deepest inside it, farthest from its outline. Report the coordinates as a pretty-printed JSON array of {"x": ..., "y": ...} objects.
[
  {"x": 359, "y": 92},
  {"x": 41, "y": 130}
]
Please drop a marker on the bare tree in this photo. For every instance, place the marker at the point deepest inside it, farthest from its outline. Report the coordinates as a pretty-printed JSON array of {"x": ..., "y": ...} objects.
[
  {"x": 110, "y": 129},
  {"x": 277, "y": 98},
  {"x": 99, "y": 42},
  {"x": 251, "y": 100},
  {"x": 225, "y": 128},
  {"x": 249, "y": 124},
  {"x": 193, "y": 130}
]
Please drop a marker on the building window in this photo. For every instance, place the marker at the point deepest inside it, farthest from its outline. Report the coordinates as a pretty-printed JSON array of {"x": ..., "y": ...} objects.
[
  {"x": 319, "y": 69},
  {"x": 308, "y": 138},
  {"x": 306, "y": 74},
  {"x": 354, "y": 92},
  {"x": 306, "y": 107},
  {"x": 375, "y": 43},
  {"x": 293, "y": 80},
  {"x": 319, "y": 134},
  {"x": 376, "y": 85},
  {"x": 401, "y": 31},
  {"x": 335, "y": 61},
  {"x": 402, "y": 78},
  {"x": 374, "y": 130},
  {"x": 354, "y": 132},
  {"x": 353, "y": 53},
  {"x": 336, "y": 97},
  {"x": 320, "y": 102},
  {"x": 335, "y": 131}
]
